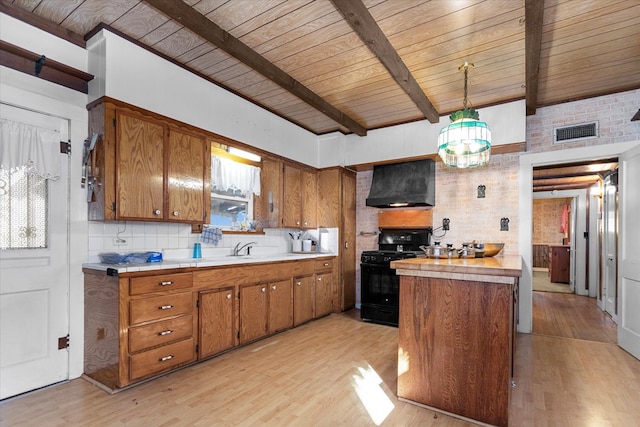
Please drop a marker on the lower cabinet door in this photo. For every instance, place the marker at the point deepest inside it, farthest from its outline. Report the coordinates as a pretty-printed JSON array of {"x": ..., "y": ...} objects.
[
  {"x": 217, "y": 321},
  {"x": 161, "y": 359},
  {"x": 253, "y": 312},
  {"x": 324, "y": 291},
  {"x": 303, "y": 299},
  {"x": 280, "y": 305}
]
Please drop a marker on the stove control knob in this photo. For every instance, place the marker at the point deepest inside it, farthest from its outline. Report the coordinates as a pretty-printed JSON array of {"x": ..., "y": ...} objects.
[{"x": 387, "y": 258}]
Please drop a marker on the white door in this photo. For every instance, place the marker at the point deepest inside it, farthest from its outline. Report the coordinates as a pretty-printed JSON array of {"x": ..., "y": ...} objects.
[
  {"x": 34, "y": 276},
  {"x": 629, "y": 252},
  {"x": 609, "y": 248},
  {"x": 572, "y": 244}
]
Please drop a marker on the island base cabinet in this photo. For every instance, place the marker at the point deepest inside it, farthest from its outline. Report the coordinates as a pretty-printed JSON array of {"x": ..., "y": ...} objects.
[{"x": 455, "y": 346}]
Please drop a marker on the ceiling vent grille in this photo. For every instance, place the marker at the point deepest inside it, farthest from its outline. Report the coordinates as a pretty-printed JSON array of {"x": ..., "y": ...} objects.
[{"x": 575, "y": 132}]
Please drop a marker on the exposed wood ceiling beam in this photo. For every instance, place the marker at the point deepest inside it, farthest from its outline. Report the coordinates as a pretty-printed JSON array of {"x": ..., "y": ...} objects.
[
  {"x": 361, "y": 21},
  {"x": 574, "y": 170},
  {"x": 533, "y": 12},
  {"x": 194, "y": 21}
]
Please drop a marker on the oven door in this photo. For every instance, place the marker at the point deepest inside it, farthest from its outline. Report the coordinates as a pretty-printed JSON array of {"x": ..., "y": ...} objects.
[{"x": 379, "y": 290}]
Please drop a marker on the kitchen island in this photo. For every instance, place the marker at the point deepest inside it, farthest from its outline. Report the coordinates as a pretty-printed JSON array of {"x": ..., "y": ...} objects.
[{"x": 456, "y": 335}]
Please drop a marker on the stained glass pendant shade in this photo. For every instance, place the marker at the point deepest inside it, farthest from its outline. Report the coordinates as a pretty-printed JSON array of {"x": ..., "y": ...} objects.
[{"x": 466, "y": 141}]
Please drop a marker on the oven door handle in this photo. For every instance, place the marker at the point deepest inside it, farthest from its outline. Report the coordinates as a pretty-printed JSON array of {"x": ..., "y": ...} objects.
[{"x": 362, "y": 264}]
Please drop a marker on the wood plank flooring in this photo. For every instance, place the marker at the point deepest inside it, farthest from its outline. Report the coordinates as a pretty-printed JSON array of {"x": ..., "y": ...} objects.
[
  {"x": 571, "y": 316},
  {"x": 341, "y": 371}
]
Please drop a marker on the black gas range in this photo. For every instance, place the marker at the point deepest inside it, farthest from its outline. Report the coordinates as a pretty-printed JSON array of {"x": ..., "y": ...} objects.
[{"x": 379, "y": 284}]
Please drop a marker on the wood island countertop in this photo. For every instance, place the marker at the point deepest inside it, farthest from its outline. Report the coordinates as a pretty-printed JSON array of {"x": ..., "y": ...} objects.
[{"x": 482, "y": 269}]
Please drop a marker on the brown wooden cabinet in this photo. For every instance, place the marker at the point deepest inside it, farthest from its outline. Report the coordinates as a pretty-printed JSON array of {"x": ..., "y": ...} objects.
[
  {"x": 268, "y": 206},
  {"x": 280, "y": 305},
  {"x": 473, "y": 345},
  {"x": 138, "y": 326},
  {"x": 325, "y": 287},
  {"x": 559, "y": 262},
  {"x": 337, "y": 208},
  {"x": 253, "y": 312},
  {"x": 303, "y": 299},
  {"x": 146, "y": 167},
  {"x": 217, "y": 331},
  {"x": 143, "y": 324},
  {"x": 299, "y": 195}
]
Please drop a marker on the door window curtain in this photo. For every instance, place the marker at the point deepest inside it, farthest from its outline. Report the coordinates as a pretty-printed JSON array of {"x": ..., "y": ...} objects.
[
  {"x": 29, "y": 158},
  {"x": 31, "y": 147}
]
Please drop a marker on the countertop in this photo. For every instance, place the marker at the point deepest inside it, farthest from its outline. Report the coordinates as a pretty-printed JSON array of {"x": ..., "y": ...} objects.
[
  {"x": 506, "y": 266},
  {"x": 217, "y": 261}
]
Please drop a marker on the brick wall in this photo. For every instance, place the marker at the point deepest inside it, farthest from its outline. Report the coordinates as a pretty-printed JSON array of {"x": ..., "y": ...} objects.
[
  {"x": 613, "y": 113},
  {"x": 547, "y": 218}
]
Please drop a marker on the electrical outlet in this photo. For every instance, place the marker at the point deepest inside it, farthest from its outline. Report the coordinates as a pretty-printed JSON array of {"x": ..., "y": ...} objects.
[
  {"x": 119, "y": 242},
  {"x": 445, "y": 224}
]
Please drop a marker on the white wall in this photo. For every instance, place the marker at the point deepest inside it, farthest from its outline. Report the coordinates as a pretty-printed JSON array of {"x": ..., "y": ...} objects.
[
  {"x": 26, "y": 91},
  {"x": 134, "y": 75},
  {"x": 506, "y": 121}
]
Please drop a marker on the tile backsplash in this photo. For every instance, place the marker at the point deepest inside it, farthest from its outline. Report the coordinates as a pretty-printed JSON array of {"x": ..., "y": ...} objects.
[{"x": 128, "y": 236}]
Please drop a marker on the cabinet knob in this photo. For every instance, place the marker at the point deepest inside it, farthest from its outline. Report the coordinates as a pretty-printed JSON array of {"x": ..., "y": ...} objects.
[
  {"x": 298, "y": 283},
  {"x": 319, "y": 279},
  {"x": 175, "y": 213},
  {"x": 274, "y": 287},
  {"x": 165, "y": 307},
  {"x": 167, "y": 332},
  {"x": 297, "y": 222},
  {"x": 164, "y": 359},
  {"x": 228, "y": 296},
  {"x": 156, "y": 212},
  {"x": 263, "y": 289},
  {"x": 346, "y": 245}
]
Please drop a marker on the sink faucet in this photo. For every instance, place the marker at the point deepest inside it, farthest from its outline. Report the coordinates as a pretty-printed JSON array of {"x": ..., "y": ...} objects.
[{"x": 238, "y": 248}]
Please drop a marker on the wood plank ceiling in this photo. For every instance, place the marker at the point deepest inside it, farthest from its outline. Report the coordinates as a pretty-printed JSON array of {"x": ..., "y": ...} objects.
[{"x": 357, "y": 65}]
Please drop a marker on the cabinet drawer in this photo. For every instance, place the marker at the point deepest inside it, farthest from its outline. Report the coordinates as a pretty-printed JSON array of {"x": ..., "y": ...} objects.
[
  {"x": 165, "y": 282},
  {"x": 160, "y": 307},
  {"x": 161, "y": 359},
  {"x": 323, "y": 264},
  {"x": 158, "y": 333}
]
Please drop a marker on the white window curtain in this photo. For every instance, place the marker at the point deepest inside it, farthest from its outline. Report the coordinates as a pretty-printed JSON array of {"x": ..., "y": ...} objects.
[
  {"x": 234, "y": 178},
  {"x": 31, "y": 147}
]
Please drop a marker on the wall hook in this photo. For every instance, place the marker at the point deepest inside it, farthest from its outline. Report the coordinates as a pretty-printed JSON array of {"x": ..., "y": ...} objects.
[
  {"x": 481, "y": 191},
  {"x": 504, "y": 224},
  {"x": 39, "y": 64}
]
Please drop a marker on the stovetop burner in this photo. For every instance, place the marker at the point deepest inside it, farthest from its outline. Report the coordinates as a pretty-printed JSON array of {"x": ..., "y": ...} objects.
[{"x": 382, "y": 256}]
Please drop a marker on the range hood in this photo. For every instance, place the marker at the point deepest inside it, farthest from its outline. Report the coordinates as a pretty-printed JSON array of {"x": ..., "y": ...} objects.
[{"x": 403, "y": 184}]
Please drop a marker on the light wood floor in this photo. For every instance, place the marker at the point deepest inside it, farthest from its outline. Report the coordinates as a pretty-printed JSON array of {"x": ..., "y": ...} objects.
[
  {"x": 571, "y": 316},
  {"x": 328, "y": 372}
]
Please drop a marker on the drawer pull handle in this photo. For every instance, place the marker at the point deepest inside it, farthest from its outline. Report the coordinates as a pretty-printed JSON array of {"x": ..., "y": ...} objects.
[
  {"x": 228, "y": 296},
  {"x": 167, "y": 332},
  {"x": 166, "y": 283},
  {"x": 165, "y": 307},
  {"x": 326, "y": 264},
  {"x": 164, "y": 359}
]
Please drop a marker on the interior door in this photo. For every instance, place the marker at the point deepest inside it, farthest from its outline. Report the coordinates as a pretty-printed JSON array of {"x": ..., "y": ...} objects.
[
  {"x": 609, "y": 249},
  {"x": 34, "y": 282},
  {"x": 629, "y": 261},
  {"x": 572, "y": 244}
]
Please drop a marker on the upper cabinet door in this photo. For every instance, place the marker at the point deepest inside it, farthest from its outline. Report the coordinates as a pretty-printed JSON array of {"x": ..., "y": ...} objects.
[
  {"x": 292, "y": 200},
  {"x": 185, "y": 176},
  {"x": 140, "y": 167},
  {"x": 309, "y": 199}
]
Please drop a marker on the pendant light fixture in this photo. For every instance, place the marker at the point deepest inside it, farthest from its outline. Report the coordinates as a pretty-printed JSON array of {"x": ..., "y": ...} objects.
[{"x": 466, "y": 141}]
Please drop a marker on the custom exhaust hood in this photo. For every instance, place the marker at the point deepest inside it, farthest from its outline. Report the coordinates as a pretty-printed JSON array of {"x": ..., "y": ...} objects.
[{"x": 403, "y": 184}]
